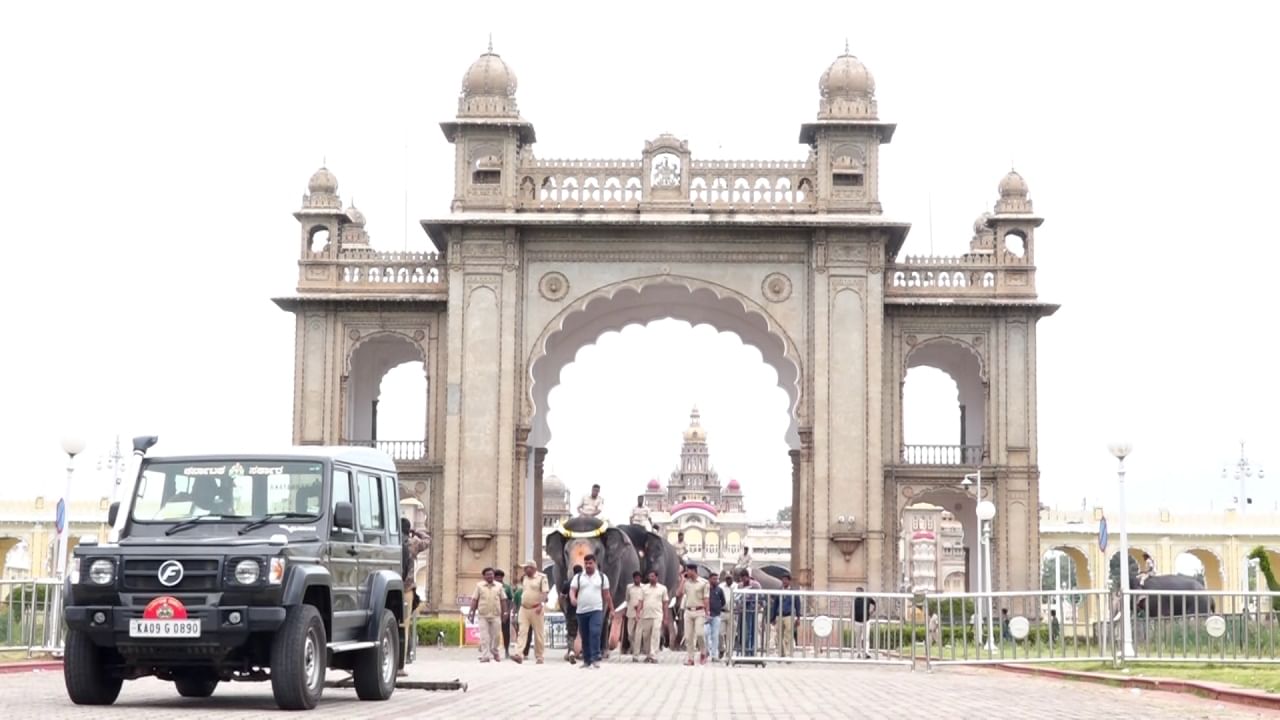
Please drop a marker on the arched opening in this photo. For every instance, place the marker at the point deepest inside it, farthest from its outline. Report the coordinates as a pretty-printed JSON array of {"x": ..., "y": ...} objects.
[
  {"x": 12, "y": 551},
  {"x": 386, "y": 396},
  {"x": 614, "y": 380},
  {"x": 318, "y": 239},
  {"x": 943, "y": 405},
  {"x": 1137, "y": 562},
  {"x": 1201, "y": 564},
  {"x": 1015, "y": 243},
  {"x": 1069, "y": 565},
  {"x": 938, "y": 539}
]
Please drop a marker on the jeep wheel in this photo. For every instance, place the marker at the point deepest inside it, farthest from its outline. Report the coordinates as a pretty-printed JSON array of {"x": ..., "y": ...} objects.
[
  {"x": 195, "y": 685},
  {"x": 87, "y": 681},
  {"x": 375, "y": 668},
  {"x": 299, "y": 653}
]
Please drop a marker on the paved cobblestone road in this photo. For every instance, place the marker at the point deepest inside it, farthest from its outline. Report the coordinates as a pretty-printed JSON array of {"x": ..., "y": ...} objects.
[{"x": 667, "y": 690}]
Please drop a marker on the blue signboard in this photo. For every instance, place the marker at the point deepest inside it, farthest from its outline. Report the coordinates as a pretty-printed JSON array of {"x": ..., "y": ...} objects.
[
  {"x": 1102, "y": 534},
  {"x": 60, "y": 518}
]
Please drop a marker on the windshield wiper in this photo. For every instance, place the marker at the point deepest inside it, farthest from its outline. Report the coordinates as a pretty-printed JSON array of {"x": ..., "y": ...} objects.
[
  {"x": 271, "y": 517},
  {"x": 192, "y": 522}
]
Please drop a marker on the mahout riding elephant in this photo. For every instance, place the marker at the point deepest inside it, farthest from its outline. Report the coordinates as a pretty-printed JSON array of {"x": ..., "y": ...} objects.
[
  {"x": 580, "y": 536},
  {"x": 1171, "y": 605}
]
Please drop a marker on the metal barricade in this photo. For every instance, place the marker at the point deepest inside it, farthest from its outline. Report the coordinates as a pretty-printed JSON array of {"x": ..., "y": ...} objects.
[
  {"x": 31, "y": 616},
  {"x": 1018, "y": 627},
  {"x": 1200, "y": 626},
  {"x": 824, "y": 627}
]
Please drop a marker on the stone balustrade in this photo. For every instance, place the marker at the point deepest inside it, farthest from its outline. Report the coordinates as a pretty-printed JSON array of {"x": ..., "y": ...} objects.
[
  {"x": 975, "y": 274},
  {"x": 368, "y": 270}
]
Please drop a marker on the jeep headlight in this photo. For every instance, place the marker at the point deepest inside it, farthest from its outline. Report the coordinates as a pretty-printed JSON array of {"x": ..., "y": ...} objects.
[
  {"x": 247, "y": 572},
  {"x": 275, "y": 573},
  {"x": 102, "y": 571}
]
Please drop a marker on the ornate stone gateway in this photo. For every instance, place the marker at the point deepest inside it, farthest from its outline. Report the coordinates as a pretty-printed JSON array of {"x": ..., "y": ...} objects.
[{"x": 539, "y": 257}]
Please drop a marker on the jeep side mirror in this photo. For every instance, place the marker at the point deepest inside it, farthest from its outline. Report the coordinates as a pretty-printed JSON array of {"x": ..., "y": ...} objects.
[
  {"x": 112, "y": 512},
  {"x": 344, "y": 516}
]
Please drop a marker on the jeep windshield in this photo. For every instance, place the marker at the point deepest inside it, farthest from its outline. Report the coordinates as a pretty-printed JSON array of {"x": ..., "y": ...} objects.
[{"x": 196, "y": 492}]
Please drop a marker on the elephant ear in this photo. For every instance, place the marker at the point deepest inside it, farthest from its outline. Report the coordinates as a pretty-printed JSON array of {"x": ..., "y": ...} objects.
[
  {"x": 655, "y": 551},
  {"x": 555, "y": 550}
]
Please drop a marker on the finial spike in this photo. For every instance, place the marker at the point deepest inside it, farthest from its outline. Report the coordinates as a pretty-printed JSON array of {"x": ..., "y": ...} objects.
[
  {"x": 324, "y": 161},
  {"x": 846, "y": 46},
  {"x": 490, "y": 42}
]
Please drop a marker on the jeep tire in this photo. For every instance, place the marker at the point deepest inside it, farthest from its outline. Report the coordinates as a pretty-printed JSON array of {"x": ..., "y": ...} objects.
[
  {"x": 375, "y": 668},
  {"x": 87, "y": 681},
  {"x": 299, "y": 653},
  {"x": 195, "y": 684}
]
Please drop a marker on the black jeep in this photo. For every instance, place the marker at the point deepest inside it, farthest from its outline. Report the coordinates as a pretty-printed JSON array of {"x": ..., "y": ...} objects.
[{"x": 242, "y": 567}]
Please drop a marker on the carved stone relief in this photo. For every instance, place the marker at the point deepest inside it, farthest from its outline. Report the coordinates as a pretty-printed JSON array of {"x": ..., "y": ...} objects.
[
  {"x": 553, "y": 286},
  {"x": 776, "y": 287}
]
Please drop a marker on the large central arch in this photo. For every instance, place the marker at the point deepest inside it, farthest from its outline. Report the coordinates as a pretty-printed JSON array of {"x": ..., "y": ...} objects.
[{"x": 641, "y": 301}]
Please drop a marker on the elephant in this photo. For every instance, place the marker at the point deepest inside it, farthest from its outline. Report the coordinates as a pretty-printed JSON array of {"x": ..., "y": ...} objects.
[
  {"x": 1171, "y": 605},
  {"x": 615, "y": 556},
  {"x": 658, "y": 555}
]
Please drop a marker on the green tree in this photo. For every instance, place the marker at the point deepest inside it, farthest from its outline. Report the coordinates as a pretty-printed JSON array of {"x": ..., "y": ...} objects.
[
  {"x": 784, "y": 515},
  {"x": 1115, "y": 569}
]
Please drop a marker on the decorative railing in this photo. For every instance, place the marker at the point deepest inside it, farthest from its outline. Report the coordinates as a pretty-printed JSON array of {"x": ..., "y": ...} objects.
[
  {"x": 374, "y": 271},
  {"x": 966, "y": 455},
  {"x": 603, "y": 184},
  {"x": 978, "y": 274},
  {"x": 397, "y": 449},
  {"x": 756, "y": 186}
]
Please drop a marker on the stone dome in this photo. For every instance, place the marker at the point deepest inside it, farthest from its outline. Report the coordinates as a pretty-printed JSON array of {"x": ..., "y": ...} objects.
[
  {"x": 322, "y": 181},
  {"x": 552, "y": 484},
  {"x": 695, "y": 432},
  {"x": 357, "y": 217},
  {"x": 654, "y": 484},
  {"x": 847, "y": 77},
  {"x": 734, "y": 486},
  {"x": 1013, "y": 184},
  {"x": 980, "y": 225},
  {"x": 489, "y": 75}
]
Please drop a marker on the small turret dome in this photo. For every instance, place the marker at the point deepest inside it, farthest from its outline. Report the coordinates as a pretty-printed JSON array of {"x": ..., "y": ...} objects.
[
  {"x": 847, "y": 77},
  {"x": 356, "y": 217},
  {"x": 489, "y": 75},
  {"x": 322, "y": 181},
  {"x": 695, "y": 432},
  {"x": 1013, "y": 184},
  {"x": 980, "y": 225},
  {"x": 654, "y": 484},
  {"x": 734, "y": 486}
]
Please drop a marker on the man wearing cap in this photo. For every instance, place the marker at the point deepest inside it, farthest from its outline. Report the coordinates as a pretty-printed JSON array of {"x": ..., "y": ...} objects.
[
  {"x": 653, "y": 615},
  {"x": 533, "y": 599},
  {"x": 694, "y": 591},
  {"x": 635, "y": 598}
]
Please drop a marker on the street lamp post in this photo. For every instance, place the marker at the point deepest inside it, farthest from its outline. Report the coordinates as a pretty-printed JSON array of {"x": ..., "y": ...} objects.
[
  {"x": 72, "y": 445},
  {"x": 1122, "y": 450},
  {"x": 986, "y": 512},
  {"x": 1243, "y": 471},
  {"x": 972, "y": 479}
]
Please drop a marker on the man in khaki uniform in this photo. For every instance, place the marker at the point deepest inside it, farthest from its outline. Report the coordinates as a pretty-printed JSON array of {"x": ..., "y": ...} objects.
[
  {"x": 489, "y": 600},
  {"x": 653, "y": 609},
  {"x": 533, "y": 599},
  {"x": 693, "y": 590},
  {"x": 635, "y": 596},
  {"x": 592, "y": 505}
]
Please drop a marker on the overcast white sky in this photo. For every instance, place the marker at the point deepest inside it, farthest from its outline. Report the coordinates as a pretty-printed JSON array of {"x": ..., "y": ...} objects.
[{"x": 152, "y": 155}]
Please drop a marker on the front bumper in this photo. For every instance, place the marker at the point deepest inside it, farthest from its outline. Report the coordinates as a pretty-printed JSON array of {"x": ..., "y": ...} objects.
[{"x": 218, "y": 635}]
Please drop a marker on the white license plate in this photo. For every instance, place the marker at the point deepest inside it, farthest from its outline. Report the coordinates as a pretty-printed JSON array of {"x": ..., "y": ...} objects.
[{"x": 164, "y": 628}]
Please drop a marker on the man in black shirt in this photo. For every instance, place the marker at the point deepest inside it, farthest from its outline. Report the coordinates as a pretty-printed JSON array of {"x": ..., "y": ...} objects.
[
  {"x": 716, "y": 603},
  {"x": 786, "y": 607},
  {"x": 864, "y": 608}
]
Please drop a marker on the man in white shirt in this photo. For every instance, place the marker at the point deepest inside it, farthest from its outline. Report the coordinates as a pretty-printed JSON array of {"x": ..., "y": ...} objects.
[
  {"x": 589, "y": 593},
  {"x": 592, "y": 505},
  {"x": 640, "y": 513}
]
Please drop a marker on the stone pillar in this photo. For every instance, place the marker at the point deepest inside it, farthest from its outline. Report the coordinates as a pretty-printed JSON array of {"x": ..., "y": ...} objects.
[
  {"x": 802, "y": 516},
  {"x": 797, "y": 527},
  {"x": 526, "y": 511},
  {"x": 539, "y": 460}
]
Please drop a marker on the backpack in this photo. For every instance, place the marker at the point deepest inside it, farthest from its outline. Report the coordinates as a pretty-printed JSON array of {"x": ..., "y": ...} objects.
[{"x": 406, "y": 562}]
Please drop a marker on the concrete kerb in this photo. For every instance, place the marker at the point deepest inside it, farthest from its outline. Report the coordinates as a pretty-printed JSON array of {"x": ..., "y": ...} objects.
[
  {"x": 30, "y": 666},
  {"x": 1208, "y": 690}
]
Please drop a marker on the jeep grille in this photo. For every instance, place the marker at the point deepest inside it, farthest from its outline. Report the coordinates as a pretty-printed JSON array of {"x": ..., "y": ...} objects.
[{"x": 198, "y": 574}]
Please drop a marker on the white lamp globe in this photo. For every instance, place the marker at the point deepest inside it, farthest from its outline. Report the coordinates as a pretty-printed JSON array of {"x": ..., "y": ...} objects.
[
  {"x": 986, "y": 510},
  {"x": 73, "y": 444},
  {"x": 1120, "y": 449}
]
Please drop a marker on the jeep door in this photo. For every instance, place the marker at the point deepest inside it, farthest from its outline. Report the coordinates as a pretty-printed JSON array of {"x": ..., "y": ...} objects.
[
  {"x": 372, "y": 520},
  {"x": 344, "y": 566}
]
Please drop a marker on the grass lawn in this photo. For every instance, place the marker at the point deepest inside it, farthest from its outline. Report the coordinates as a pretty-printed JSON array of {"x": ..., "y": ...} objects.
[{"x": 1255, "y": 677}]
